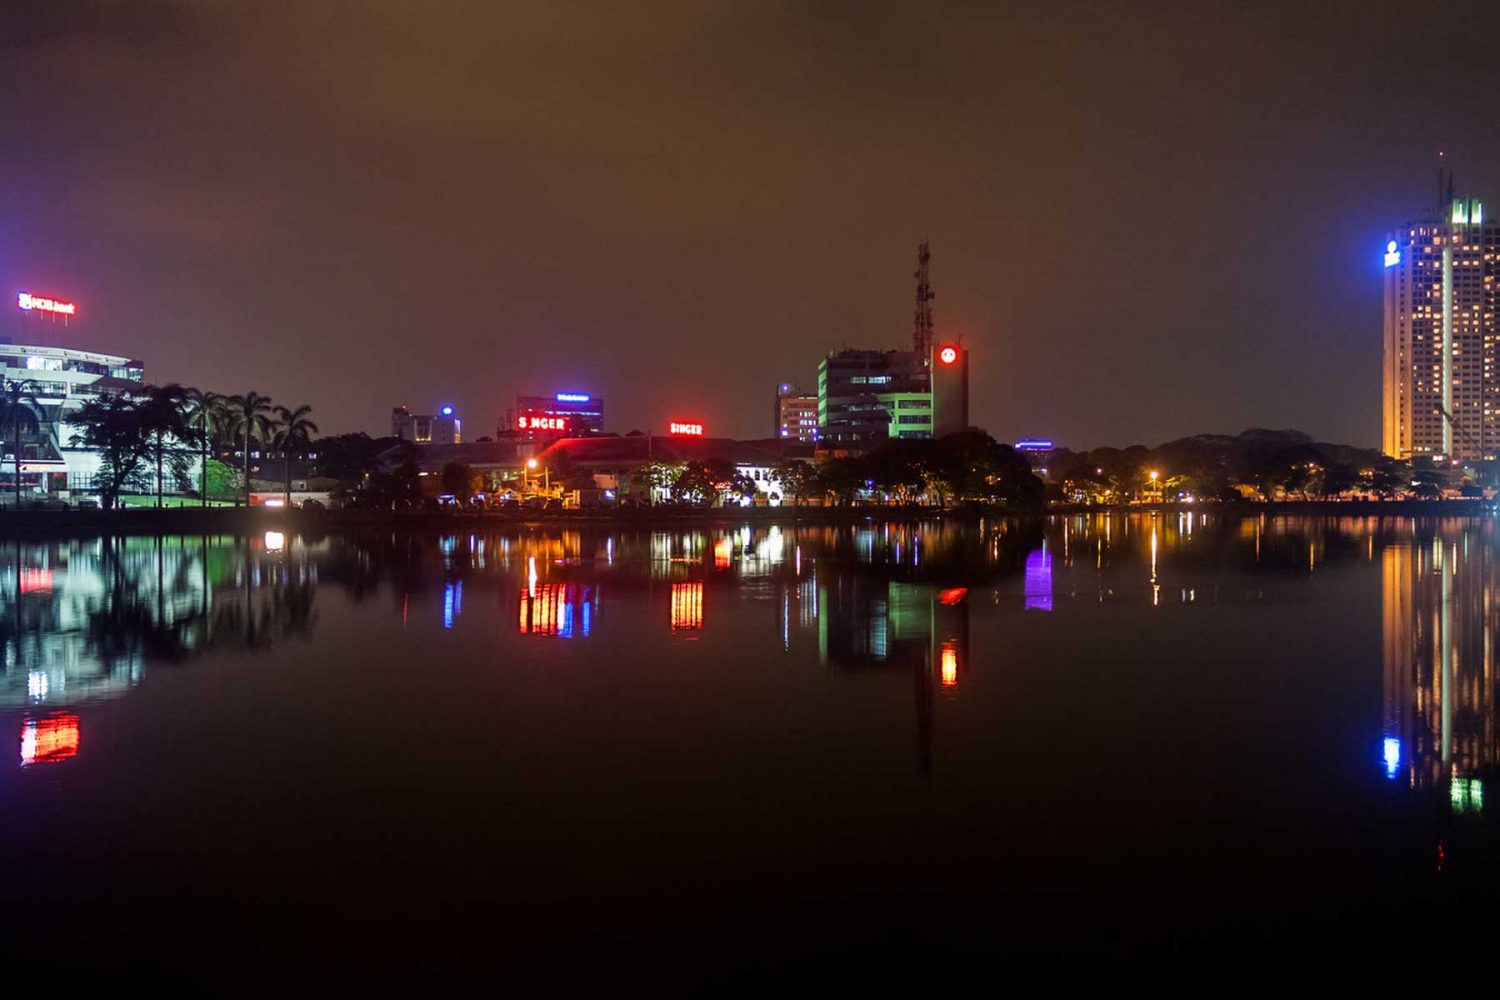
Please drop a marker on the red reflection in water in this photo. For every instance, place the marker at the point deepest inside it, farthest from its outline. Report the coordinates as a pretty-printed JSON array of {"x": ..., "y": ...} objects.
[
  {"x": 952, "y": 595},
  {"x": 36, "y": 581},
  {"x": 949, "y": 664},
  {"x": 49, "y": 740}
]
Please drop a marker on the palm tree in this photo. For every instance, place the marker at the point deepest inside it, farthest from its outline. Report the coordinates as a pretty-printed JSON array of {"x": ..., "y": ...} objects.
[
  {"x": 294, "y": 431},
  {"x": 250, "y": 416},
  {"x": 163, "y": 415},
  {"x": 17, "y": 401},
  {"x": 206, "y": 417}
]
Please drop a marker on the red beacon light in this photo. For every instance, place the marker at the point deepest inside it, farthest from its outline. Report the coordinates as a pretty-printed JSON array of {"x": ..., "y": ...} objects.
[
  {"x": 948, "y": 355},
  {"x": 684, "y": 429}
]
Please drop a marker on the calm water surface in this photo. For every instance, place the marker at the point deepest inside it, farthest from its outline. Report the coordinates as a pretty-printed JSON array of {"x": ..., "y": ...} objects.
[{"x": 731, "y": 758}]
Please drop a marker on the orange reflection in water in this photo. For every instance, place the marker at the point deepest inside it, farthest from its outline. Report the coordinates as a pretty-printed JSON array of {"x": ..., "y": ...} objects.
[
  {"x": 540, "y": 609},
  {"x": 687, "y": 605},
  {"x": 948, "y": 665},
  {"x": 49, "y": 740}
]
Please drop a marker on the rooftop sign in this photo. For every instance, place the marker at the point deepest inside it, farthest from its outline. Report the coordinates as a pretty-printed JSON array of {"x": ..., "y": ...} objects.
[
  {"x": 28, "y": 302},
  {"x": 572, "y": 397},
  {"x": 682, "y": 429}
]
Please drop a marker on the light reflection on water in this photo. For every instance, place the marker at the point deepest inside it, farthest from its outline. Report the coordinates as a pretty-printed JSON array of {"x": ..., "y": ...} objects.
[
  {"x": 83, "y": 620},
  {"x": 988, "y": 627}
]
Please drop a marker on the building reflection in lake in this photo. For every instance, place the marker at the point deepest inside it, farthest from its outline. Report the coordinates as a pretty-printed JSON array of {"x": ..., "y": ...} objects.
[
  {"x": 687, "y": 606},
  {"x": 1439, "y": 609},
  {"x": 80, "y": 620}
]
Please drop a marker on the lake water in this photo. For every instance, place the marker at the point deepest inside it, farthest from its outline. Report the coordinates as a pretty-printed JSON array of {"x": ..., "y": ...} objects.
[{"x": 729, "y": 759}]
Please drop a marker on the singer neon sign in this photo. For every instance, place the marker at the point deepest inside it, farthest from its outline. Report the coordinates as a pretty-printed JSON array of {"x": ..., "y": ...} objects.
[
  {"x": 684, "y": 429},
  {"x": 543, "y": 423},
  {"x": 28, "y": 302}
]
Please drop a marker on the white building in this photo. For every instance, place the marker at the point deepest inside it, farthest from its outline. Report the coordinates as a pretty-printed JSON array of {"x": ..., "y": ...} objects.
[
  {"x": 1441, "y": 375},
  {"x": 53, "y": 383}
]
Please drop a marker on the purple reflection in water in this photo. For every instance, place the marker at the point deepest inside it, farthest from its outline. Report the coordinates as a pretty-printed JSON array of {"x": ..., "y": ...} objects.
[{"x": 1039, "y": 580}]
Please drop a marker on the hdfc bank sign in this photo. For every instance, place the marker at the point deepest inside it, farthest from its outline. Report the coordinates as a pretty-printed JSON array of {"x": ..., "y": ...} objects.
[{"x": 29, "y": 302}]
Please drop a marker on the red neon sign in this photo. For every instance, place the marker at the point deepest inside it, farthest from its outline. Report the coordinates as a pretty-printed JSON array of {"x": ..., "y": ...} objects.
[
  {"x": 49, "y": 740},
  {"x": 685, "y": 429},
  {"x": 543, "y": 423},
  {"x": 29, "y": 302},
  {"x": 948, "y": 355}
]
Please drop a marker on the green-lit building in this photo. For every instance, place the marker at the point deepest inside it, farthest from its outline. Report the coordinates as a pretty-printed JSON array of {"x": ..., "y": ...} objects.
[{"x": 868, "y": 397}]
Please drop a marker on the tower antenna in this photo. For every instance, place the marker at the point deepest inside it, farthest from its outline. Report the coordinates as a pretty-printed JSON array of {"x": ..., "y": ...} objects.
[{"x": 921, "y": 335}]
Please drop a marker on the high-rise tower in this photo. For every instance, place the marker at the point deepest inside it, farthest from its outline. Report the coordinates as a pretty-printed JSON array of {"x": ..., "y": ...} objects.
[{"x": 1441, "y": 373}]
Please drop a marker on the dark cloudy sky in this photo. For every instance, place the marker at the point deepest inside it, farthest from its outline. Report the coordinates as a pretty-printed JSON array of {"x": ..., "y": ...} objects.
[{"x": 1146, "y": 219}]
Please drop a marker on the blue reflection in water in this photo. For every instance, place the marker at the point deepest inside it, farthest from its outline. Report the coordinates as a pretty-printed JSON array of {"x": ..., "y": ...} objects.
[
  {"x": 453, "y": 602},
  {"x": 1039, "y": 580},
  {"x": 1392, "y": 749}
]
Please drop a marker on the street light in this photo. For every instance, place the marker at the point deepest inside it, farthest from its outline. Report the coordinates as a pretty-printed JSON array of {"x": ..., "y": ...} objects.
[{"x": 1153, "y": 484}]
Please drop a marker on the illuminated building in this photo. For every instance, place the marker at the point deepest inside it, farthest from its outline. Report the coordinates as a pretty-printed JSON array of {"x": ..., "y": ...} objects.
[
  {"x": 54, "y": 383},
  {"x": 563, "y": 414},
  {"x": 796, "y": 414},
  {"x": 868, "y": 397},
  {"x": 443, "y": 427},
  {"x": 1440, "y": 379},
  {"x": 950, "y": 389}
]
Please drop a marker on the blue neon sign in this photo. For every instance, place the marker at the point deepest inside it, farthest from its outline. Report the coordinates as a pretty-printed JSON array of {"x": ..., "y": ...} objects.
[
  {"x": 1392, "y": 254},
  {"x": 572, "y": 397}
]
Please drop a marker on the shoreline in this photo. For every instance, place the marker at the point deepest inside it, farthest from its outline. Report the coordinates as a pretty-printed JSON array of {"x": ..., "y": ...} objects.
[{"x": 248, "y": 519}]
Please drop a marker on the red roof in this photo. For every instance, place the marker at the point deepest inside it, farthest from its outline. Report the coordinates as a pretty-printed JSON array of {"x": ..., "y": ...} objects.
[{"x": 639, "y": 449}]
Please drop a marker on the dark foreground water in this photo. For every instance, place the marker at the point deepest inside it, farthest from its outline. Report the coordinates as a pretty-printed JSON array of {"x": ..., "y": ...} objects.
[{"x": 739, "y": 759}]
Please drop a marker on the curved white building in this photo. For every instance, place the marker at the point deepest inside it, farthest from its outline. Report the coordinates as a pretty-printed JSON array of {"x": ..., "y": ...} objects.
[{"x": 53, "y": 383}]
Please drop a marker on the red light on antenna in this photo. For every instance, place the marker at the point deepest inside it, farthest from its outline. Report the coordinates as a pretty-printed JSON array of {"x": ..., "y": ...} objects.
[{"x": 948, "y": 355}]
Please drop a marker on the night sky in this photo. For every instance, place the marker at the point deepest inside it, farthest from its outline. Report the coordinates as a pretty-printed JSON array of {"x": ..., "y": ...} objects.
[{"x": 1147, "y": 220}]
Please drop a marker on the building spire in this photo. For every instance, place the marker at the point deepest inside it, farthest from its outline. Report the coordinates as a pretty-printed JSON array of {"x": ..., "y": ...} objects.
[{"x": 921, "y": 336}]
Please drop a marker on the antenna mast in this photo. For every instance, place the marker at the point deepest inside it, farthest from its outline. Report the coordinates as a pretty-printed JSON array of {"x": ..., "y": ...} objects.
[{"x": 921, "y": 336}]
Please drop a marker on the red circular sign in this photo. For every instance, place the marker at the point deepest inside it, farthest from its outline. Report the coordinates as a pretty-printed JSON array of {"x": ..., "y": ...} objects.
[{"x": 948, "y": 355}]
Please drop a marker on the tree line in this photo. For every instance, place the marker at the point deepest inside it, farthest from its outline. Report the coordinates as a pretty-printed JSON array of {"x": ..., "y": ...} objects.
[
  {"x": 165, "y": 429},
  {"x": 1256, "y": 464},
  {"x": 968, "y": 466}
]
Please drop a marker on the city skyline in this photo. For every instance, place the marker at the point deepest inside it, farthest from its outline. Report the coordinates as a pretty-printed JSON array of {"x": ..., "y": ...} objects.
[{"x": 635, "y": 206}]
